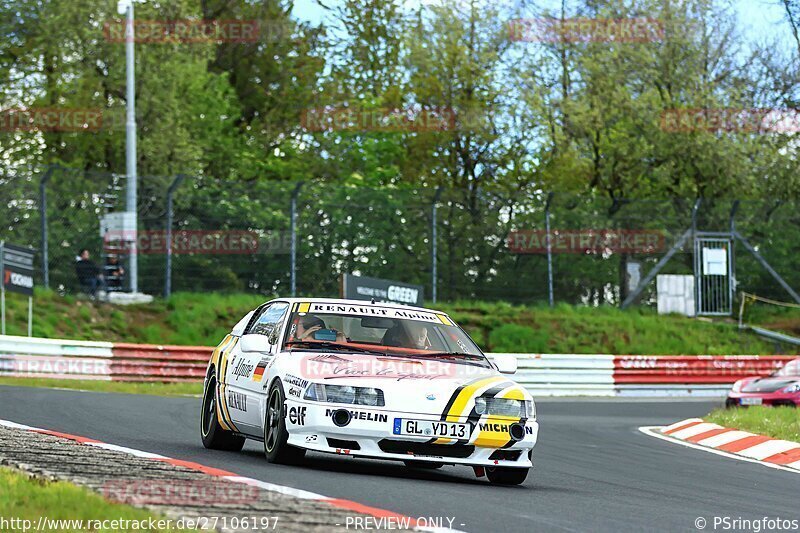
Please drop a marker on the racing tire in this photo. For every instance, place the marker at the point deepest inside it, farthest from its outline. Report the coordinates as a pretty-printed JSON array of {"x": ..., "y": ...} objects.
[
  {"x": 213, "y": 435},
  {"x": 499, "y": 475},
  {"x": 423, "y": 464},
  {"x": 276, "y": 448}
]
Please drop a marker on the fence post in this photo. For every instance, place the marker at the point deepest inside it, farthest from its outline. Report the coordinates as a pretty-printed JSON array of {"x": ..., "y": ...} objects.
[
  {"x": 767, "y": 266},
  {"x": 549, "y": 248},
  {"x": 168, "y": 274},
  {"x": 732, "y": 218},
  {"x": 695, "y": 209},
  {"x": 696, "y": 260},
  {"x": 731, "y": 256},
  {"x": 293, "y": 231},
  {"x": 434, "y": 247},
  {"x": 43, "y": 220}
]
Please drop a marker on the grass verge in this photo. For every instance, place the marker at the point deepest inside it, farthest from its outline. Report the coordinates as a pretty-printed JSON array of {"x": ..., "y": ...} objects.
[
  {"x": 156, "y": 389},
  {"x": 204, "y": 318},
  {"x": 777, "y": 422},
  {"x": 26, "y": 498}
]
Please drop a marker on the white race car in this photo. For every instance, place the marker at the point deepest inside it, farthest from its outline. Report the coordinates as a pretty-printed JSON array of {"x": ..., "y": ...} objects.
[{"x": 372, "y": 380}]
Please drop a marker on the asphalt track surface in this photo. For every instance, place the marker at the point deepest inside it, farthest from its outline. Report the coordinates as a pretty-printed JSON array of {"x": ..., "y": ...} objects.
[{"x": 593, "y": 469}]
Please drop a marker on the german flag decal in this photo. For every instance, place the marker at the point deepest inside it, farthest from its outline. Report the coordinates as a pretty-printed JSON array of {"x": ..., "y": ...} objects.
[{"x": 258, "y": 373}]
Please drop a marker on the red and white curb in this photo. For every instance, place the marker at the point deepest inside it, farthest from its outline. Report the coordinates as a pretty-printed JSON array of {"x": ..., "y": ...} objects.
[
  {"x": 388, "y": 517},
  {"x": 695, "y": 433}
]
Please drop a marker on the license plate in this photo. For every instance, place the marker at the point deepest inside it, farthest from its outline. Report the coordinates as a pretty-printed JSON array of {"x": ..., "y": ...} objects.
[
  {"x": 752, "y": 401},
  {"x": 428, "y": 428}
]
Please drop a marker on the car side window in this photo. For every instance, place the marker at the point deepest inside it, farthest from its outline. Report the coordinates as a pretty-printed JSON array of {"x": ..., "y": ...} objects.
[{"x": 269, "y": 319}]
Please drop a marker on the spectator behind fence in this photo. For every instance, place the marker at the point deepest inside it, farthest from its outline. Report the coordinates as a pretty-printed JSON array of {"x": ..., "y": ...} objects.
[
  {"x": 89, "y": 275},
  {"x": 114, "y": 273}
]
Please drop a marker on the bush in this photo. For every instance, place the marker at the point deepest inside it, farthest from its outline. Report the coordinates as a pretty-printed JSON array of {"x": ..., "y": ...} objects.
[{"x": 516, "y": 338}]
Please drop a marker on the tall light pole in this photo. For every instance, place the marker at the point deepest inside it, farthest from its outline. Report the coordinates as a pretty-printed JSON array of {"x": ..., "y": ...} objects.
[{"x": 126, "y": 7}]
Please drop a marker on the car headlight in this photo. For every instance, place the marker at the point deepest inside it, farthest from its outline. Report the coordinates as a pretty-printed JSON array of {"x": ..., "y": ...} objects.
[
  {"x": 794, "y": 387},
  {"x": 345, "y": 394},
  {"x": 505, "y": 407}
]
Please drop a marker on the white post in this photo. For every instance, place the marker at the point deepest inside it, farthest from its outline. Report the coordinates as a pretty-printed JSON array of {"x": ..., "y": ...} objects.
[
  {"x": 30, "y": 316},
  {"x": 130, "y": 135}
]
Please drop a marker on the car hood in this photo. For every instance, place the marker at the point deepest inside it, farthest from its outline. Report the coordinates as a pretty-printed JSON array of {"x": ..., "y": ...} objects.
[
  {"x": 409, "y": 385},
  {"x": 768, "y": 384}
]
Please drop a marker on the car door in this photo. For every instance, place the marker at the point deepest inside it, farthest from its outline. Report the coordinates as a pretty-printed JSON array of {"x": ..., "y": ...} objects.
[{"x": 247, "y": 365}]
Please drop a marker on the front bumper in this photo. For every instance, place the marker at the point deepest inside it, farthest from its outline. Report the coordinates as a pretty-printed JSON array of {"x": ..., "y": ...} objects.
[
  {"x": 370, "y": 434},
  {"x": 766, "y": 398}
]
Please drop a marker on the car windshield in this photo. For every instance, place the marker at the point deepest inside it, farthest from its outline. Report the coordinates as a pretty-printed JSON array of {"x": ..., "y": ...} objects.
[
  {"x": 790, "y": 369},
  {"x": 382, "y": 330}
]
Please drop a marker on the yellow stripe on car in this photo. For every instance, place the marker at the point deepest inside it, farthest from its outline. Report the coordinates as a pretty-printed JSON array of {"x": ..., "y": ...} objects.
[
  {"x": 493, "y": 431},
  {"x": 513, "y": 394},
  {"x": 218, "y": 361},
  {"x": 220, "y": 418},
  {"x": 225, "y": 408},
  {"x": 218, "y": 350},
  {"x": 464, "y": 396},
  {"x": 444, "y": 320},
  {"x": 224, "y": 417}
]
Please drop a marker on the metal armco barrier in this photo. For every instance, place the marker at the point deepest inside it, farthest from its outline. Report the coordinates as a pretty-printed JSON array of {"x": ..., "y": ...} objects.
[
  {"x": 541, "y": 374},
  {"x": 639, "y": 375},
  {"x": 67, "y": 359},
  {"x": 565, "y": 374}
]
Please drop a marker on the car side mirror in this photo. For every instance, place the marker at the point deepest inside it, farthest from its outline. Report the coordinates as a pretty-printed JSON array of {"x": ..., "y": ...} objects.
[
  {"x": 254, "y": 343},
  {"x": 505, "y": 363}
]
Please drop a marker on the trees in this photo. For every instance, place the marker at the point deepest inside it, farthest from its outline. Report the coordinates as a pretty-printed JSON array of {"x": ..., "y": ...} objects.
[{"x": 587, "y": 120}]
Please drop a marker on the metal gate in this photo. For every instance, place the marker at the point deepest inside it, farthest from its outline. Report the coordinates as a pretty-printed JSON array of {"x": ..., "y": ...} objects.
[{"x": 713, "y": 273}]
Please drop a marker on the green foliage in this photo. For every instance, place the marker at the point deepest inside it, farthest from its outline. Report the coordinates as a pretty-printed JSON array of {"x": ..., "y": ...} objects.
[
  {"x": 519, "y": 339},
  {"x": 194, "y": 388},
  {"x": 29, "y": 499},
  {"x": 202, "y": 319},
  {"x": 777, "y": 422},
  {"x": 583, "y": 119},
  {"x": 605, "y": 329}
]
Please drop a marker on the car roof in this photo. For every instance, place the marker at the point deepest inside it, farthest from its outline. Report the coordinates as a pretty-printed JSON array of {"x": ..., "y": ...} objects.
[{"x": 357, "y": 302}]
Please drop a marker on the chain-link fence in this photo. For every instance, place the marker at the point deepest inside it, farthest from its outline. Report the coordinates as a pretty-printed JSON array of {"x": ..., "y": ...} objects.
[{"x": 490, "y": 244}]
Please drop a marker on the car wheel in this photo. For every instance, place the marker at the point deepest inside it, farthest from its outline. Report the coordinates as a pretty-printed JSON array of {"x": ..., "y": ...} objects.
[
  {"x": 212, "y": 433},
  {"x": 506, "y": 476},
  {"x": 275, "y": 434},
  {"x": 423, "y": 464}
]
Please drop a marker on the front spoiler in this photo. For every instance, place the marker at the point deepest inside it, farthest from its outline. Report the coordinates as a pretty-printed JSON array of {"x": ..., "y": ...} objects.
[
  {"x": 768, "y": 398},
  {"x": 311, "y": 427}
]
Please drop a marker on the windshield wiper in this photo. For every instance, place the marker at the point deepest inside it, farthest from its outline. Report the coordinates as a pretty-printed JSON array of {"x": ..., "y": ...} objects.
[
  {"x": 459, "y": 357},
  {"x": 470, "y": 356},
  {"x": 334, "y": 345}
]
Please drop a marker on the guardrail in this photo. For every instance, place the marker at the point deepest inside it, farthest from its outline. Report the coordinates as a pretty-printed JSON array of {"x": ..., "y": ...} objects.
[
  {"x": 109, "y": 361},
  {"x": 639, "y": 375},
  {"x": 542, "y": 374}
]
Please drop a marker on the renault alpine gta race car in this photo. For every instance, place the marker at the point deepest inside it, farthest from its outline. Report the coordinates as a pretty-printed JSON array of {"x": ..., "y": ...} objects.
[{"x": 371, "y": 380}]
